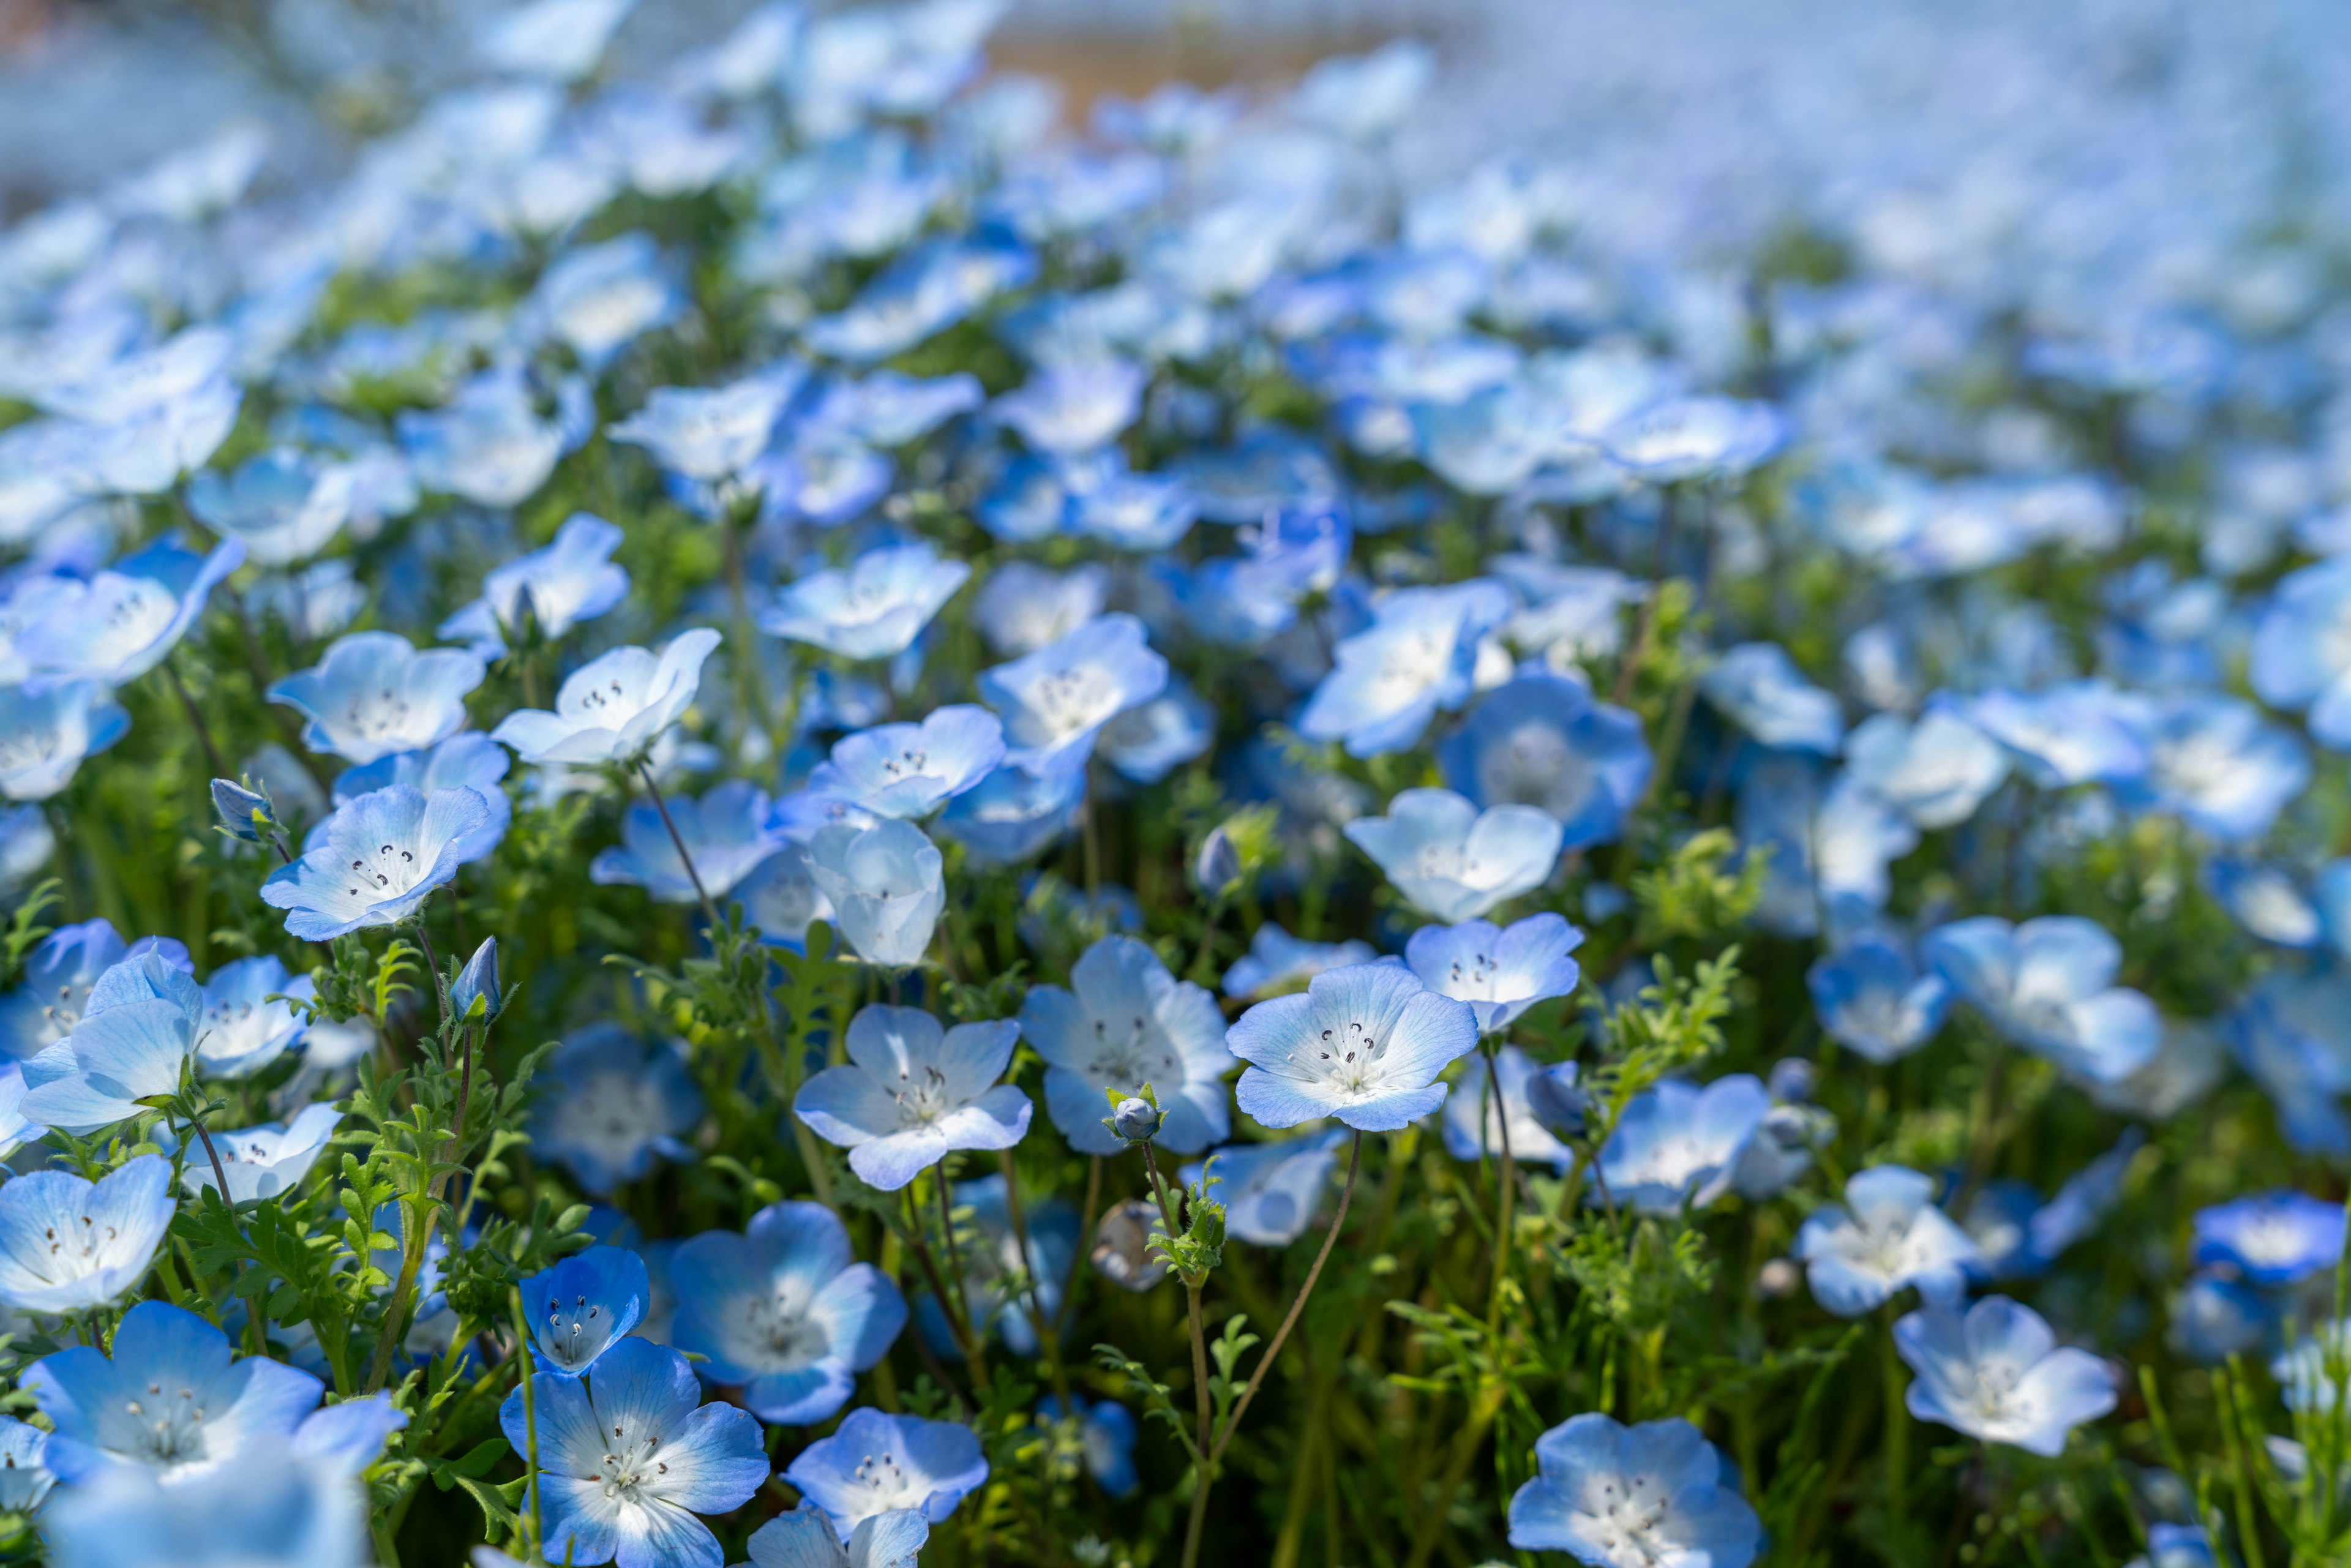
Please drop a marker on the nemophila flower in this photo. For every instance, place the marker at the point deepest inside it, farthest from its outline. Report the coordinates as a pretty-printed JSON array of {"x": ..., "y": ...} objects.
[
  {"x": 1074, "y": 406},
  {"x": 66, "y": 1244},
  {"x": 1935, "y": 771},
  {"x": 1997, "y": 1375},
  {"x": 1630, "y": 1497},
  {"x": 616, "y": 1100},
  {"x": 1500, "y": 1100},
  {"x": 994, "y": 1260},
  {"x": 1057, "y": 699},
  {"x": 1677, "y": 1144},
  {"x": 1023, "y": 606},
  {"x": 2175, "y": 1546},
  {"x": 615, "y": 707},
  {"x": 2291, "y": 1033},
  {"x": 1418, "y": 655},
  {"x": 711, "y": 434},
  {"x": 877, "y": 1464},
  {"x": 1871, "y": 997},
  {"x": 1152, "y": 740},
  {"x": 466, "y": 761},
  {"x": 16, "y": 1128},
  {"x": 2081, "y": 732},
  {"x": 1540, "y": 740},
  {"x": 909, "y": 771},
  {"x": 1760, "y": 689},
  {"x": 27, "y": 845},
  {"x": 168, "y": 1398},
  {"x": 58, "y": 974},
  {"x": 726, "y": 831},
  {"x": 287, "y": 505},
  {"x": 2213, "y": 762},
  {"x": 25, "y": 1475},
  {"x": 572, "y": 581},
  {"x": 350, "y": 1435},
  {"x": 1125, "y": 1022},
  {"x": 925, "y": 291},
  {"x": 134, "y": 1042},
  {"x": 1887, "y": 1235},
  {"x": 629, "y": 1455},
  {"x": 2272, "y": 1237},
  {"x": 1500, "y": 973},
  {"x": 374, "y": 695},
  {"x": 1696, "y": 438},
  {"x": 2272, "y": 905},
  {"x": 2300, "y": 658},
  {"x": 562, "y": 39},
  {"x": 272, "y": 1509},
  {"x": 871, "y": 608},
  {"x": 46, "y": 730},
  {"x": 1453, "y": 861},
  {"x": 599, "y": 298},
  {"x": 1138, "y": 513},
  {"x": 804, "y": 1538},
  {"x": 781, "y": 898},
  {"x": 2047, "y": 985},
  {"x": 886, "y": 885},
  {"x": 125, "y": 620},
  {"x": 1106, "y": 1435},
  {"x": 265, "y": 1161},
  {"x": 584, "y": 1305},
  {"x": 912, "y": 1091},
  {"x": 1363, "y": 1044},
  {"x": 376, "y": 861},
  {"x": 489, "y": 444},
  {"x": 151, "y": 416},
  {"x": 1277, "y": 961},
  {"x": 783, "y": 1310},
  {"x": 242, "y": 1030},
  {"x": 1270, "y": 1191}
]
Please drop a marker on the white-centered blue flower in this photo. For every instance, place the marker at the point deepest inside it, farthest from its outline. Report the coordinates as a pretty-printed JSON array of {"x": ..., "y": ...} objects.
[
  {"x": 1997, "y": 1375},
  {"x": 585, "y": 1305},
  {"x": 1277, "y": 961},
  {"x": 1270, "y": 1191},
  {"x": 784, "y": 1311},
  {"x": 874, "y": 1464},
  {"x": 1023, "y": 606},
  {"x": 711, "y": 434},
  {"x": 1704, "y": 437},
  {"x": 727, "y": 832},
  {"x": 559, "y": 39},
  {"x": 572, "y": 581},
  {"x": 599, "y": 298},
  {"x": 616, "y": 1102},
  {"x": 265, "y": 1161},
  {"x": 871, "y": 608},
  {"x": 1074, "y": 406},
  {"x": 1363, "y": 1043},
  {"x": 1453, "y": 861},
  {"x": 612, "y": 708},
  {"x": 1419, "y": 654},
  {"x": 1540, "y": 740},
  {"x": 1935, "y": 771},
  {"x": 125, "y": 620},
  {"x": 1124, "y": 1022},
  {"x": 46, "y": 731},
  {"x": 242, "y": 1030},
  {"x": 2048, "y": 985},
  {"x": 466, "y": 761},
  {"x": 2212, "y": 760},
  {"x": 489, "y": 444},
  {"x": 277, "y": 1509},
  {"x": 887, "y": 886},
  {"x": 1057, "y": 699},
  {"x": 135, "y": 1043},
  {"x": 1761, "y": 690},
  {"x": 1887, "y": 1234},
  {"x": 58, "y": 976},
  {"x": 287, "y": 505},
  {"x": 376, "y": 859},
  {"x": 1152, "y": 740},
  {"x": 2301, "y": 655},
  {"x": 912, "y": 1091},
  {"x": 1499, "y": 1100},
  {"x": 805, "y": 1538},
  {"x": 1500, "y": 973},
  {"x": 1018, "y": 809},
  {"x": 1676, "y": 1145},
  {"x": 2272, "y": 1237},
  {"x": 2078, "y": 733},
  {"x": 1871, "y": 997},
  {"x": 374, "y": 695},
  {"x": 25, "y": 1475},
  {"x": 1634, "y": 1497},
  {"x": 910, "y": 770},
  {"x": 66, "y": 1244}
]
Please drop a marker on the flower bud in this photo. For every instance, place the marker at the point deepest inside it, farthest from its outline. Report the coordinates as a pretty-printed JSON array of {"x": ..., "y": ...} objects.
[
  {"x": 1219, "y": 865},
  {"x": 1555, "y": 1101},
  {"x": 476, "y": 995},
  {"x": 244, "y": 813},
  {"x": 1136, "y": 1121},
  {"x": 1792, "y": 1079}
]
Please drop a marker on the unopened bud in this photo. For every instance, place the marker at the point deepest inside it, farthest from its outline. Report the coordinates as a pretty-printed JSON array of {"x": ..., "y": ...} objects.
[
  {"x": 1136, "y": 1121},
  {"x": 244, "y": 813}
]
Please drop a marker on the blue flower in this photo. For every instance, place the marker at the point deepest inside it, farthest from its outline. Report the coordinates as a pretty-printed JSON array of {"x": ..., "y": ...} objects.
[
  {"x": 781, "y": 898},
  {"x": 2077, "y": 733},
  {"x": 1760, "y": 689},
  {"x": 871, "y": 608},
  {"x": 1617, "y": 1496},
  {"x": 628, "y": 1456},
  {"x": 1023, "y": 606},
  {"x": 2272, "y": 1237},
  {"x": 1677, "y": 1144},
  {"x": 2299, "y": 657},
  {"x": 1500, "y": 974},
  {"x": 1106, "y": 1434},
  {"x": 265, "y": 1161},
  {"x": 66, "y": 1244},
  {"x": 1276, "y": 960},
  {"x": 1074, "y": 406},
  {"x": 287, "y": 505},
  {"x": 1151, "y": 739},
  {"x": 909, "y": 771},
  {"x": 2211, "y": 760},
  {"x": 886, "y": 884},
  {"x": 583, "y": 1306},
  {"x": 1997, "y": 1375},
  {"x": 466, "y": 761},
  {"x": 134, "y": 1042},
  {"x": 925, "y": 291},
  {"x": 2272, "y": 907},
  {"x": 25, "y": 1475},
  {"x": 374, "y": 695},
  {"x": 123, "y": 622},
  {"x": 242, "y": 1030},
  {"x": 1139, "y": 513},
  {"x": 1540, "y": 740},
  {"x": 1935, "y": 772},
  {"x": 1419, "y": 654},
  {"x": 1501, "y": 1101},
  {"x": 804, "y": 1539},
  {"x": 2214, "y": 1317},
  {"x": 1872, "y": 998},
  {"x": 711, "y": 434},
  {"x": 2293, "y": 1033},
  {"x": 783, "y": 1310},
  {"x": 350, "y": 1435},
  {"x": 572, "y": 581},
  {"x": 991, "y": 1267},
  {"x": 2047, "y": 985},
  {"x": 1453, "y": 861},
  {"x": 876, "y": 1464},
  {"x": 1696, "y": 437},
  {"x": 169, "y": 1398},
  {"x": 489, "y": 444},
  {"x": 727, "y": 831},
  {"x": 376, "y": 861},
  {"x": 151, "y": 416},
  {"x": 1363, "y": 1044},
  {"x": 274, "y": 1509},
  {"x": 1128, "y": 1022},
  {"x": 46, "y": 729},
  {"x": 58, "y": 976},
  {"x": 617, "y": 1102},
  {"x": 612, "y": 708},
  {"x": 1055, "y": 700},
  {"x": 1270, "y": 1191},
  {"x": 1887, "y": 1235},
  {"x": 911, "y": 1092},
  {"x": 597, "y": 298}
]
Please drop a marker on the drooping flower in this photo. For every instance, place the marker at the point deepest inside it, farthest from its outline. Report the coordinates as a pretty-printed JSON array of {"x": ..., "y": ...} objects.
[
  {"x": 1419, "y": 654},
  {"x": 910, "y": 770},
  {"x": 1997, "y": 1373},
  {"x": 1677, "y": 1144},
  {"x": 46, "y": 731},
  {"x": 265, "y": 1161},
  {"x": 1057, "y": 699},
  {"x": 1887, "y": 1234},
  {"x": 1270, "y": 1191},
  {"x": 1872, "y": 998},
  {"x": 1500, "y": 973},
  {"x": 612, "y": 708},
  {"x": 618, "y": 1100},
  {"x": 877, "y": 1464},
  {"x": 376, "y": 861},
  {"x": 1454, "y": 860},
  {"x": 2272, "y": 1237},
  {"x": 784, "y": 1311},
  {"x": 1630, "y": 1497},
  {"x": 727, "y": 831},
  {"x": 584, "y": 1305},
  {"x": 374, "y": 695},
  {"x": 1363, "y": 1043},
  {"x": 2047, "y": 984},
  {"x": 1127, "y": 1022},
  {"x": 871, "y": 608},
  {"x": 1539, "y": 740},
  {"x": 125, "y": 620},
  {"x": 886, "y": 884},
  {"x": 804, "y": 1538},
  {"x": 572, "y": 581},
  {"x": 912, "y": 1091},
  {"x": 66, "y": 1244}
]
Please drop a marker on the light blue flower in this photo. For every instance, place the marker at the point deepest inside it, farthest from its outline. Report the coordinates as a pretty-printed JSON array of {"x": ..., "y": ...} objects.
[
  {"x": 612, "y": 708},
  {"x": 877, "y": 1464},
  {"x": 781, "y": 898},
  {"x": 599, "y": 298},
  {"x": 2175, "y": 1546},
  {"x": 1760, "y": 689},
  {"x": 560, "y": 39},
  {"x": 2076, "y": 733},
  {"x": 125, "y": 620},
  {"x": 614, "y": 1103},
  {"x": 1152, "y": 740},
  {"x": 2304, "y": 1374},
  {"x": 711, "y": 434},
  {"x": 992, "y": 1266},
  {"x": 151, "y": 416},
  {"x": 1106, "y": 1434},
  {"x": 1074, "y": 406},
  {"x": 1885, "y": 1236},
  {"x": 2293, "y": 1033},
  {"x": 466, "y": 761},
  {"x": 1276, "y": 960},
  {"x": 871, "y": 609},
  {"x": 726, "y": 832},
  {"x": 1139, "y": 513},
  {"x": 583, "y": 1306},
  {"x": 821, "y": 477},
  {"x": 1997, "y": 1375},
  {"x": 887, "y": 886},
  {"x": 888, "y": 409},
  {"x": 1023, "y": 606},
  {"x": 804, "y": 1538},
  {"x": 2212, "y": 761},
  {"x": 1619, "y": 1497},
  {"x": 1696, "y": 438},
  {"x": 46, "y": 731},
  {"x": 1055, "y": 701},
  {"x": 287, "y": 505},
  {"x": 925, "y": 291},
  {"x": 1935, "y": 771},
  {"x": 911, "y": 1092},
  {"x": 2272, "y": 907},
  {"x": 2301, "y": 658},
  {"x": 1453, "y": 861},
  {"x": 2047, "y": 985},
  {"x": 350, "y": 1435},
  {"x": 1500, "y": 1099},
  {"x": 1018, "y": 811},
  {"x": 489, "y": 444},
  {"x": 274, "y": 1509},
  {"x": 242, "y": 1030},
  {"x": 629, "y": 1455},
  {"x": 25, "y": 1475},
  {"x": 136, "y": 1036},
  {"x": 1028, "y": 501},
  {"x": 2272, "y": 1237},
  {"x": 572, "y": 581},
  {"x": 66, "y": 1244},
  {"x": 910, "y": 770},
  {"x": 265, "y": 1161},
  {"x": 169, "y": 1398},
  {"x": 784, "y": 1311},
  {"x": 1871, "y": 997},
  {"x": 1540, "y": 740},
  {"x": 1500, "y": 973},
  {"x": 1677, "y": 1144},
  {"x": 1125, "y": 1022},
  {"x": 1270, "y": 1191},
  {"x": 374, "y": 695},
  {"x": 1419, "y": 654},
  {"x": 376, "y": 861},
  {"x": 2214, "y": 1317},
  {"x": 1363, "y": 1043},
  {"x": 58, "y": 974}
]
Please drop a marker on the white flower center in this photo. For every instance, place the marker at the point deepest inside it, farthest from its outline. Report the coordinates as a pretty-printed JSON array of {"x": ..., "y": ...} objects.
[
  {"x": 167, "y": 1429},
  {"x": 386, "y": 872},
  {"x": 376, "y": 713},
  {"x": 1349, "y": 1057},
  {"x": 632, "y": 1471},
  {"x": 1631, "y": 1512}
]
